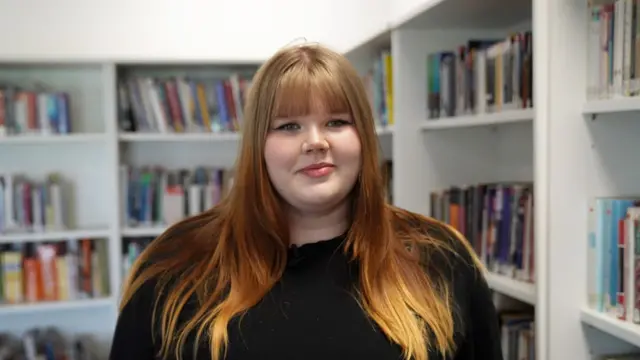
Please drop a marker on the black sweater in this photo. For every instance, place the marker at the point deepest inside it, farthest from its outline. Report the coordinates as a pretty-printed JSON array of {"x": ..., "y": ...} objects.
[{"x": 311, "y": 314}]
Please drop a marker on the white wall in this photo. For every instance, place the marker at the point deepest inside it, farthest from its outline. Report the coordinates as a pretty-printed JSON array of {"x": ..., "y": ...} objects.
[
  {"x": 170, "y": 30},
  {"x": 401, "y": 10}
]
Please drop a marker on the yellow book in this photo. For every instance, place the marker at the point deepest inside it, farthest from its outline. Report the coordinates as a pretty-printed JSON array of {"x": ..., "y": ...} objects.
[
  {"x": 388, "y": 70},
  {"x": 12, "y": 276},
  {"x": 204, "y": 111},
  {"x": 62, "y": 273}
]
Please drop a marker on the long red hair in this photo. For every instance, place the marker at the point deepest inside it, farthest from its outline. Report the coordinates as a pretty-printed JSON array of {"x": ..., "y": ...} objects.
[{"x": 229, "y": 257}]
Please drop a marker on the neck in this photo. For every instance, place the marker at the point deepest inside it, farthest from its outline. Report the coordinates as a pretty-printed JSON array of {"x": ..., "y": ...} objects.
[{"x": 308, "y": 227}]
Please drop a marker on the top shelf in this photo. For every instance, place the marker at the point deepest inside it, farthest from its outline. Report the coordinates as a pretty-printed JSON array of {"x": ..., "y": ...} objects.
[
  {"x": 470, "y": 14},
  {"x": 489, "y": 119}
]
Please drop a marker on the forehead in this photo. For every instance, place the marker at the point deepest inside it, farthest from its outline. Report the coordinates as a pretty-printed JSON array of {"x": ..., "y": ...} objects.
[{"x": 301, "y": 92}]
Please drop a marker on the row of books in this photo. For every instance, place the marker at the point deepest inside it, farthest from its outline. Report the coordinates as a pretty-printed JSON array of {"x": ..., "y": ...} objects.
[
  {"x": 72, "y": 269},
  {"x": 378, "y": 82},
  {"x": 33, "y": 111},
  {"x": 613, "y": 58},
  {"x": 156, "y": 196},
  {"x": 481, "y": 76},
  {"x": 181, "y": 104},
  {"x": 32, "y": 205},
  {"x": 48, "y": 343},
  {"x": 153, "y": 196},
  {"x": 614, "y": 257},
  {"x": 517, "y": 334},
  {"x": 145, "y": 199},
  {"x": 497, "y": 219}
]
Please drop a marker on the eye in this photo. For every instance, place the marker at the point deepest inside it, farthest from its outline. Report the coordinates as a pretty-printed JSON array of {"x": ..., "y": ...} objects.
[
  {"x": 288, "y": 127},
  {"x": 338, "y": 123}
]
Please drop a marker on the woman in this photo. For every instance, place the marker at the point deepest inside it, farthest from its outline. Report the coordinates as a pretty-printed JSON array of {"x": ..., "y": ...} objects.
[{"x": 304, "y": 259}]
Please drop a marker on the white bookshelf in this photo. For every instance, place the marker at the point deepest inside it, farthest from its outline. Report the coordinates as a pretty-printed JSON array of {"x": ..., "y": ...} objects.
[
  {"x": 612, "y": 131},
  {"x": 486, "y": 147},
  {"x": 433, "y": 154},
  {"x": 83, "y": 158},
  {"x": 585, "y": 145}
]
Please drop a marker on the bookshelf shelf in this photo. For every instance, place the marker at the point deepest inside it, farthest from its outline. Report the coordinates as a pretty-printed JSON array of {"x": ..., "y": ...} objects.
[
  {"x": 610, "y": 106},
  {"x": 203, "y": 137},
  {"x": 143, "y": 231},
  {"x": 520, "y": 290},
  {"x": 52, "y": 139},
  {"x": 384, "y": 131},
  {"x": 504, "y": 117},
  {"x": 177, "y": 137},
  {"x": 20, "y": 237},
  {"x": 623, "y": 330},
  {"x": 55, "y": 306}
]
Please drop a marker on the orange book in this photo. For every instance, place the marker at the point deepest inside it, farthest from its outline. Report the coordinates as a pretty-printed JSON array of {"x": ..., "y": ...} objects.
[
  {"x": 47, "y": 258},
  {"x": 33, "y": 290},
  {"x": 85, "y": 267}
]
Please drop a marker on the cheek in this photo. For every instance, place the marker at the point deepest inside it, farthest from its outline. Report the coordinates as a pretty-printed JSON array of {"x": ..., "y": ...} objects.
[
  {"x": 279, "y": 155},
  {"x": 351, "y": 149}
]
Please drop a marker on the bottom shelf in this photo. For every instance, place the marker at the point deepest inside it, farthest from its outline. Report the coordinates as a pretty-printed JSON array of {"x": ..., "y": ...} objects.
[
  {"x": 520, "y": 290},
  {"x": 623, "y": 330}
]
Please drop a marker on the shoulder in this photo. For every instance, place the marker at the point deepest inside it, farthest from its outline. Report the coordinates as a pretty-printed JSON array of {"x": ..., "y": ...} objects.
[
  {"x": 439, "y": 246},
  {"x": 449, "y": 259}
]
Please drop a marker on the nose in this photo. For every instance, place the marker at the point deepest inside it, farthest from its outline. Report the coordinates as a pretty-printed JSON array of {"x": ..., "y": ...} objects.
[{"x": 315, "y": 141}]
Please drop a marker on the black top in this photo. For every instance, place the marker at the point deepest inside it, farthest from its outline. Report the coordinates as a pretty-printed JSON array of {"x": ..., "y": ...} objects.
[{"x": 312, "y": 314}]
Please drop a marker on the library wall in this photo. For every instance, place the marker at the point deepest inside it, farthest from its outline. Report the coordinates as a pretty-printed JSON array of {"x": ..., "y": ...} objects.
[
  {"x": 401, "y": 9},
  {"x": 194, "y": 30}
]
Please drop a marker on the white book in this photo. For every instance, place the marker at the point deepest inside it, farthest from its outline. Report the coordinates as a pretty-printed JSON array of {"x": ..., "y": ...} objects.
[
  {"x": 480, "y": 72},
  {"x": 627, "y": 11},
  {"x": 593, "y": 68},
  {"x": 629, "y": 264},
  {"x": 172, "y": 204},
  {"x": 195, "y": 197},
  {"x": 618, "y": 45}
]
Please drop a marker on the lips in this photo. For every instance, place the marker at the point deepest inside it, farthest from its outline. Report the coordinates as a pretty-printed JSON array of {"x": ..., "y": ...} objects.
[
  {"x": 318, "y": 170},
  {"x": 317, "y": 166}
]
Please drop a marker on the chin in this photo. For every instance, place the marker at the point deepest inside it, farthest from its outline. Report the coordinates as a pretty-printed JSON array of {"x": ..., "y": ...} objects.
[
  {"x": 319, "y": 198},
  {"x": 316, "y": 200}
]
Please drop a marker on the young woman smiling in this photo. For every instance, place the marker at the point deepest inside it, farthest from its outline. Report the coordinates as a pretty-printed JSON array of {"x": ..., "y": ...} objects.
[{"x": 304, "y": 259}]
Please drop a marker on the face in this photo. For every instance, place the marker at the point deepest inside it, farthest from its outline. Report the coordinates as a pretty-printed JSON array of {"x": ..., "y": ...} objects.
[{"x": 313, "y": 161}]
